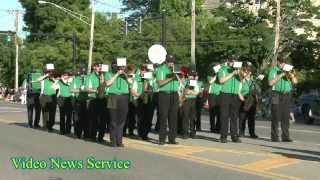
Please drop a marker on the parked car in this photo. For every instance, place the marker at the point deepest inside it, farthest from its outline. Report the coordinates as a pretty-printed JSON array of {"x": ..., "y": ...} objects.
[{"x": 310, "y": 108}]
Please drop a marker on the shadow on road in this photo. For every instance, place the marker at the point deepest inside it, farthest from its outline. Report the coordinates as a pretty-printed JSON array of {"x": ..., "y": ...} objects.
[{"x": 301, "y": 154}]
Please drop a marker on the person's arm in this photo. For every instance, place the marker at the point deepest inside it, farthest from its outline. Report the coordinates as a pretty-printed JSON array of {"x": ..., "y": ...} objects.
[
  {"x": 225, "y": 78},
  {"x": 239, "y": 92},
  {"x": 273, "y": 81},
  {"x": 163, "y": 80},
  {"x": 212, "y": 80},
  {"x": 110, "y": 81},
  {"x": 42, "y": 78},
  {"x": 166, "y": 81}
]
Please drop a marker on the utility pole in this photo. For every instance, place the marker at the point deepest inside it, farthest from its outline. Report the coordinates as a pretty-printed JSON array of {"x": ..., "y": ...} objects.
[
  {"x": 277, "y": 35},
  {"x": 74, "y": 49},
  {"x": 193, "y": 34},
  {"x": 91, "y": 34},
  {"x": 16, "y": 87},
  {"x": 140, "y": 24},
  {"x": 163, "y": 29},
  {"x": 126, "y": 28}
]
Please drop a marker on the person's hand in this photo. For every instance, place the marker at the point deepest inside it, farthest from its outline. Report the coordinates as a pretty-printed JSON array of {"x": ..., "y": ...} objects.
[
  {"x": 120, "y": 71},
  {"x": 236, "y": 72},
  {"x": 241, "y": 98}
]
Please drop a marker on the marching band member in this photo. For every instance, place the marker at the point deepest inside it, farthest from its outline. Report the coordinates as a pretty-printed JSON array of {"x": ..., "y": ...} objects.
[
  {"x": 64, "y": 102},
  {"x": 79, "y": 97},
  {"x": 249, "y": 99},
  {"x": 135, "y": 101},
  {"x": 281, "y": 83},
  {"x": 118, "y": 84},
  {"x": 214, "y": 100},
  {"x": 191, "y": 91},
  {"x": 168, "y": 100},
  {"x": 230, "y": 102},
  {"x": 33, "y": 95},
  {"x": 91, "y": 85},
  {"x": 49, "y": 86},
  {"x": 149, "y": 99},
  {"x": 102, "y": 111},
  {"x": 199, "y": 103}
]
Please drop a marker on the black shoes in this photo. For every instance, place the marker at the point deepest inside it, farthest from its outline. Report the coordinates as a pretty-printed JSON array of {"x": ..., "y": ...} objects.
[
  {"x": 275, "y": 140},
  {"x": 287, "y": 140},
  {"x": 223, "y": 140},
  {"x": 254, "y": 136},
  {"x": 161, "y": 143},
  {"x": 236, "y": 140},
  {"x": 173, "y": 142}
]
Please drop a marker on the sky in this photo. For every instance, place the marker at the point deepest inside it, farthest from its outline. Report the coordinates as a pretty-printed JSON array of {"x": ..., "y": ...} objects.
[{"x": 7, "y": 20}]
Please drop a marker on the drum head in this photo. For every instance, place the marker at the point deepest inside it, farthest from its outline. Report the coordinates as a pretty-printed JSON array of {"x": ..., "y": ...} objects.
[{"x": 157, "y": 54}]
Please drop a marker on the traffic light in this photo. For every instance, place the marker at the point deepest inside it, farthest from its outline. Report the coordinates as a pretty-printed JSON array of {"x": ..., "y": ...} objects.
[{"x": 8, "y": 38}]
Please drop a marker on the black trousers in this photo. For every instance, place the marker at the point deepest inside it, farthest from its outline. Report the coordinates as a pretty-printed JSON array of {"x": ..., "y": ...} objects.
[
  {"x": 179, "y": 121},
  {"x": 280, "y": 113},
  {"x": 147, "y": 116},
  {"x": 118, "y": 110},
  {"x": 91, "y": 123},
  {"x": 65, "y": 108},
  {"x": 134, "y": 117},
  {"x": 33, "y": 105},
  {"x": 189, "y": 117},
  {"x": 199, "y": 106},
  {"x": 229, "y": 111},
  {"x": 102, "y": 118},
  {"x": 49, "y": 105},
  {"x": 247, "y": 115},
  {"x": 214, "y": 112},
  {"x": 168, "y": 112},
  {"x": 79, "y": 116},
  {"x": 156, "y": 102}
]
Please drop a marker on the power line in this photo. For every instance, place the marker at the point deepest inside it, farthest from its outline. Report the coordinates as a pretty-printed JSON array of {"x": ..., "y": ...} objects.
[{"x": 107, "y": 4}]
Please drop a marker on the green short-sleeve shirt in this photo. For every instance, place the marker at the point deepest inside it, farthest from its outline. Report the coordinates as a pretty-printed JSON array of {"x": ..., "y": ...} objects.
[
  {"x": 64, "y": 89},
  {"x": 162, "y": 73},
  {"x": 246, "y": 87},
  {"x": 78, "y": 84},
  {"x": 215, "y": 87},
  {"x": 35, "y": 84},
  {"x": 283, "y": 85},
  {"x": 48, "y": 88},
  {"x": 119, "y": 86},
  {"x": 92, "y": 82},
  {"x": 232, "y": 85}
]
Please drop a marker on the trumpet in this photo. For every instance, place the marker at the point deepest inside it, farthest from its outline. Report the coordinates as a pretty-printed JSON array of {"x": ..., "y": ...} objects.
[
  {"x": 292, "y": 76},
  {"x": 244, "y": 72}
]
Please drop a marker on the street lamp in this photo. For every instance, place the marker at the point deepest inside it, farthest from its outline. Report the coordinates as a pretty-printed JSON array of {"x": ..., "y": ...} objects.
[{"x": 80, "y": 17}]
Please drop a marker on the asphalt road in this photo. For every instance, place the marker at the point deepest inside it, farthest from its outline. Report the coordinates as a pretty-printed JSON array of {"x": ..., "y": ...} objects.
[{"x": 200, "y": 158}]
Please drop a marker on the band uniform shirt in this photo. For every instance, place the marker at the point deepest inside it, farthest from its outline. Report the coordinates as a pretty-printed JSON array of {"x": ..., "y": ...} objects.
[
  {"x": 47, "y": 88},
  {"x": 78, "y": 84},
  {"x": 246, "y": 87},
  {"x": 162, "y": 73},
  {"x": 283, "y": 85},
  {"x": 92, "y": 82},
  {"x": 119, "y": 86},
  {"x": 64, "y": 89},
  {"x": 34, "y": 86},
  {"x": 215, "y": 87},
  {"x": 232, "y": 85}
]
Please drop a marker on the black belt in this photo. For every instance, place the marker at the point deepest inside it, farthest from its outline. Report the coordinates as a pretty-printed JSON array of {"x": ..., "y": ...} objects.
[
  {"x": 172, "y": 92},
  {"x": 230, "y": 94},
  {"x": 281, "y": 93}
]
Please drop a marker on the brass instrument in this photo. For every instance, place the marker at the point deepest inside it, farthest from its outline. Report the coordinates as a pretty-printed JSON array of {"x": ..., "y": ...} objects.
[
  {"x": 292, "y": 76},
  {"x": 244, "y": 72}
]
